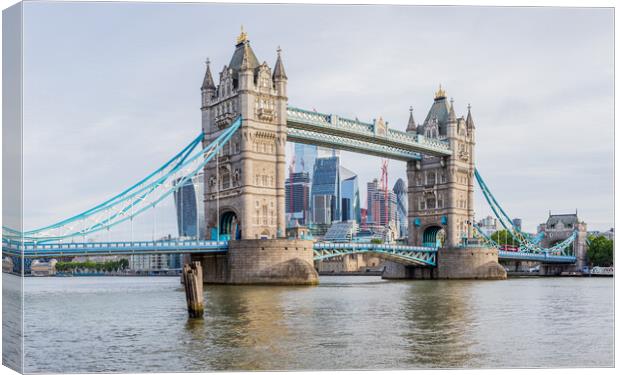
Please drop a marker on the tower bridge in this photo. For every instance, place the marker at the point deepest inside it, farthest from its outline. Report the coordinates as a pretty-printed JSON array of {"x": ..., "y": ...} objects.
[{"x": 246, "y": 122}]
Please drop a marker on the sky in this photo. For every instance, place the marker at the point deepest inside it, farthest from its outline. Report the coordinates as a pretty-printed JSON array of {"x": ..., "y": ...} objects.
[{"x": 112, "y": 90}]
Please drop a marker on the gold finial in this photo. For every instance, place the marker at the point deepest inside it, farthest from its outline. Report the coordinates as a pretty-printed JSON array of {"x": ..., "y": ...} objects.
[
  {"x": 242, "y": 37},
  {"x": 441, "y": 93}
]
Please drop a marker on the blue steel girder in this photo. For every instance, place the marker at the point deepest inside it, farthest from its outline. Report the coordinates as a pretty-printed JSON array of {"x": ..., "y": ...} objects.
[
  {"x": 114, "y": 248},
  {"x": 322, "y": 123},
  {"x": 536, "y": 257},
  {"x": 412, "y": 255},
  {"x": 348, "y": 144}
]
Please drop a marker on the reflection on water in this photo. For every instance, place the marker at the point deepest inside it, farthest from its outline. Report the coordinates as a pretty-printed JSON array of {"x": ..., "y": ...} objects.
[
  {"x": 140, "y": 324},
  {"x": 438, "y": 316}
]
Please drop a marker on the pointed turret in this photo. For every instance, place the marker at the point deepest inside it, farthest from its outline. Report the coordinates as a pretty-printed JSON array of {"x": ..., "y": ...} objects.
[
  {"x": 278, "y": 70},
  {"x": 470, "y": 120},
  {"x": 207, "y": 82},
  {"x": 451, "y": 114},
  {"x": 411, "y": 127},
  {"x": 245, "y": 62},
  {"x": 243, "y": 57},
  {"x": 279, "y": 75}
]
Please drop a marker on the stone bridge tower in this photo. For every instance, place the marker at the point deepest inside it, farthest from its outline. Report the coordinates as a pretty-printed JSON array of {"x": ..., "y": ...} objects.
[
  {"x": 559, "y": 227},
  {"x": 250, "y": 176},
  {"x": 441, "y": 189}
]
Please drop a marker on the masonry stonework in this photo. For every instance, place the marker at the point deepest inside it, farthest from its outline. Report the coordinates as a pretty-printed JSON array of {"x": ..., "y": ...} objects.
[
  {"x": 456, "y": 263},
  {"x": 286, "y": 262},
  {"x": 441, "y": 189},
  {"x": 244, "y": 185}
]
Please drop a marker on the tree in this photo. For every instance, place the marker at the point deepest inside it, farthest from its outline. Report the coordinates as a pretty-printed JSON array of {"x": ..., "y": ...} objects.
[
  {"x": 504, "y": 237},
  {"x": 600, "y": 251}
]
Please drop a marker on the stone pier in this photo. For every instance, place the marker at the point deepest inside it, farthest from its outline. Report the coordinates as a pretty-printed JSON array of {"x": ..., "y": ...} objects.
[
  {"x": 455, "y": 263},
  {"x": 269, "y": 261}
]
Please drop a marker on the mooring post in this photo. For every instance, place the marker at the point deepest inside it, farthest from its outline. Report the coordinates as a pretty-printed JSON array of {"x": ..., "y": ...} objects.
[{"x": 192, "y": 280}]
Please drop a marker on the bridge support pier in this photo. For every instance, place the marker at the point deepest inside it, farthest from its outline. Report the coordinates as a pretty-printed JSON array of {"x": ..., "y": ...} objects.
[
  {"x": 469, "y": 263},
  {"x": 453, "y": 263},
  {"x": 551, "y": 269},
  {"x": 270, "y": 261},
  {"x": 396, "y": 271}
]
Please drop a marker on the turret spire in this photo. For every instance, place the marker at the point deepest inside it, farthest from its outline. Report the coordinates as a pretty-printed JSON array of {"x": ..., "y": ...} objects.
[
  {"x": 470, "y": 120},
  {"x": 245, "y": 63},
  {"x": 411, "y": 127},
  {"x": 207, "y": 82},
  {"x": 451, "y": 114},
  {"x": 278, "y": 70}
]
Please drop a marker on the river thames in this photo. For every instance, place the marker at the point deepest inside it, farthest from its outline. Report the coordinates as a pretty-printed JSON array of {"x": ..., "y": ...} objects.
[{"x": 140, "y": 324}]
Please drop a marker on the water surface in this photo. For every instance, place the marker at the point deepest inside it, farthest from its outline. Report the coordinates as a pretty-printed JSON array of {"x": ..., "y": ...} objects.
[{"x": 139, "y": 324}]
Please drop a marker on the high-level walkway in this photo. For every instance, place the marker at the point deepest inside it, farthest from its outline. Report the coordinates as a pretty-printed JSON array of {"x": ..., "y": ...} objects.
[{"x": 376, "y": 138}]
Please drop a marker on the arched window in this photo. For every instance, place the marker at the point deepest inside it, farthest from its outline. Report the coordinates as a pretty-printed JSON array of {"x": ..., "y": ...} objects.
[
  {"x": 430, "y": 202},
  {"x": 430, "y": 178},
  {"x": 224, "y": 178}
]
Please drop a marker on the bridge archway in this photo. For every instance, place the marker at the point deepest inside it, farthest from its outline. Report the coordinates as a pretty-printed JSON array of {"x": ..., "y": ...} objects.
[
  {"x": 434, "y": 236},
  {"x": 230, "y": 227}
]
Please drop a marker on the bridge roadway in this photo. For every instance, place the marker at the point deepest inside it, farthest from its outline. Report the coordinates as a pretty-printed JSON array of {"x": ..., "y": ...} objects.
[{"x": 417, "y": 255}]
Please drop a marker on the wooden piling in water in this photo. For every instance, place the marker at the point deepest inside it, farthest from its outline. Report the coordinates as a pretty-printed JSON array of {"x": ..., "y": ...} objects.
[{"x": 192, "y": 280}]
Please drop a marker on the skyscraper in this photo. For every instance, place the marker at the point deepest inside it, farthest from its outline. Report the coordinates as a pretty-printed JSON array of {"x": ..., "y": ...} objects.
[
  {"x": 400, "y": 190},
  {"x": 186, "y": 209},
  {"x": 326, "y": 190},
  {"x": 350, "y": 196},
  {"x": 382, "y": 205},
  {"x": 297, "y": 188},
  {"x": 371, "y": 188},
  {"x": 306, "y": 155},
  {"x": 189, "y": 204}
]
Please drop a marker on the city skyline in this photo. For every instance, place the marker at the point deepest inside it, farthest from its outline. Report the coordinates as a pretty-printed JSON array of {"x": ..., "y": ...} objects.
[{"x": 155, "y": 88}]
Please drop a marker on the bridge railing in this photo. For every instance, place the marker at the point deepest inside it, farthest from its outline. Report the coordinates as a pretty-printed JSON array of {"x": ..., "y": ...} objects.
[
  {"x": 364, "y": 245},
  {"x": 113, "y": 245},
  {"x": 299, "y": 135},
  {"x": 362, "y": 128},
  {"x": 547, "y": 258}
]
